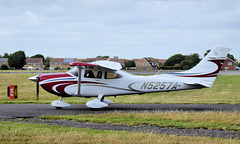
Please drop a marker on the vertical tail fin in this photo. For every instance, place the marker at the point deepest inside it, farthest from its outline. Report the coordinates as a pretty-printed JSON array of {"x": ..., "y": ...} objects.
[
  {"x": 211, "y": 64},
  {"x": 206, "y": 71}
]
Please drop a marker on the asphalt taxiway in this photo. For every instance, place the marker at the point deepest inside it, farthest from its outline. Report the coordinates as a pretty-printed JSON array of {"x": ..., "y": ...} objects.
[
  {"x": 35, "y": 110},
  {"x": 29, "y": 113}
]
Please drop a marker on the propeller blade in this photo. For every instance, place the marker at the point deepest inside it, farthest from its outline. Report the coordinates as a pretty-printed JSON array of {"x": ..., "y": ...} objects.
[{"x": 37, "y": 85}]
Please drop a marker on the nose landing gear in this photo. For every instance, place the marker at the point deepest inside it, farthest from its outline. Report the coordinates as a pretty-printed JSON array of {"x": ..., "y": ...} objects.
[{"x": 59, "y": 104}]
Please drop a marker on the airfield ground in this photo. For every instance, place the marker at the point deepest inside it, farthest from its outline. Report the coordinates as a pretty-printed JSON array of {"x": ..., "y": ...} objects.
[{"x": 221, "y": 102}]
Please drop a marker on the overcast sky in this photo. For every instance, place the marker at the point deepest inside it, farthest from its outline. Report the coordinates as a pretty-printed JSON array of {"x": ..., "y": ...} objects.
[{"x": 124, "y": 28}]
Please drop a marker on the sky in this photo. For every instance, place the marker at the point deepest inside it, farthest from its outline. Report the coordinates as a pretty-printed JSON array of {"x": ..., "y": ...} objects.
[{"x": 124, "y": 28}]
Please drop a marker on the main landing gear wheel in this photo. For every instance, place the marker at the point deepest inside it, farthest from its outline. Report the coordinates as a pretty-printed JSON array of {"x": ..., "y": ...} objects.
[
  {"x": 59, "y": 104},
  {"x": 99, "y": 102}
]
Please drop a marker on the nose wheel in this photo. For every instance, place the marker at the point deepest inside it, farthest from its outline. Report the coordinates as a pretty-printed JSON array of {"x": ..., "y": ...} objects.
[{"x": 59, "y": 104}]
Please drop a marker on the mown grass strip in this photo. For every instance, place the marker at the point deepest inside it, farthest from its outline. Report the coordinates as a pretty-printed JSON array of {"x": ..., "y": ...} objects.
[
  {"x": 11, "y": 132},
  {"x": 182, "y": 120}
]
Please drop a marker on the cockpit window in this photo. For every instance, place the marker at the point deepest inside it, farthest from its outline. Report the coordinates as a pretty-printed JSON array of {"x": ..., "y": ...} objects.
[
  {"x": 112, "y": 75},
  {"x": 93, "y": 74},
  {"x": 74, "y": 71}
]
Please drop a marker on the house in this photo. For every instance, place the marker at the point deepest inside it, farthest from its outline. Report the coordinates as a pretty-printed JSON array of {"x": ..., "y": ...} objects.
[
  {"x": 229, "y": 64},
  {"x": 121, "y": 61},
  {"x": 162, "y": 61},
  {"x": 4, "y": 61},
  {"x": 135, "y": 60},
  {"x": 33, "y": 64},
  {"x": 143, "y": 64},
  {"x": 62, "y": 63},
  {"x": 148, "y": 63}
]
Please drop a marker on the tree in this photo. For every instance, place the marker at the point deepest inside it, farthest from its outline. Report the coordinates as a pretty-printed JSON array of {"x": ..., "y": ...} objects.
[
  {"x": 39, "y": 56},
  {"x": 5, "y": 55},
  {"x": 193, "y": 59},
  {"x": 102, "y": 57},
  {"x": 206, "y": 52},
  {"x": 175, "y": 59},
  {"x": 17, "y": 60},
  {"x": 47, "y": 63},
  {"x": 129, "y": 63},
  {"x": 186, "y": 64}
]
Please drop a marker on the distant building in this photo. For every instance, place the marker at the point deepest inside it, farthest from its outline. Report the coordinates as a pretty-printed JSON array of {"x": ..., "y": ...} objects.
[
  {"x": 62, "y": 63},
  {"x": 148, "y": 63},
  {"x": 33, "y": 64},
  {"x": 4, "y": 61},
  {"x": 121, "y": 61},
  {"x": 229, "y": 64}
]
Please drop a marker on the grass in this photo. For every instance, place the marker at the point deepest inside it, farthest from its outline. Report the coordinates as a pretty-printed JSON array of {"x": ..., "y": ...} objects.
[
  {"x": 35, "y": 133},
  {"x": 181, "y": 120},
  {"x": 224, "y": 91}
]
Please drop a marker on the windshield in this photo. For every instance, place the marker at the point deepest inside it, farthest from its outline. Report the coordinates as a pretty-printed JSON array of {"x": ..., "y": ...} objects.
[{"x": 74, "y": 71}]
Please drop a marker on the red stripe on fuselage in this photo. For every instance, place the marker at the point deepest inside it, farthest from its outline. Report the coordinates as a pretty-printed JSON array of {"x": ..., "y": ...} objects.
[
  {"x": 49, "y": 87},
  {"x": 62, "y": 85},
  {"x": 53, "y": 75}
]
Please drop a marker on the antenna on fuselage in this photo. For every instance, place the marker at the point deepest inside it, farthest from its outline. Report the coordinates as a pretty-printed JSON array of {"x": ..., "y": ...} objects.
[{"x": 158, "y": 72}]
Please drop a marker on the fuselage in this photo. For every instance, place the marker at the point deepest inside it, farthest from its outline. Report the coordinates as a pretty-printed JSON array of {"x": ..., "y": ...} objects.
[
  {"x": 105, "y": 78},
  {"x": 109, "y": 83}
]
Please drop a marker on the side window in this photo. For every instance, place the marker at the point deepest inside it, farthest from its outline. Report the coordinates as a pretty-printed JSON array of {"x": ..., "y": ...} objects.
[
  {"x": 112, "y": 75},
  {"x": 93, "y": 74}
]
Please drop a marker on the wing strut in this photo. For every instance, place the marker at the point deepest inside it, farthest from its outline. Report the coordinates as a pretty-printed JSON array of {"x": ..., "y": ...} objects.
[
  {"x": 79, "y": 66},
  {"x": 79, "y": 80}
]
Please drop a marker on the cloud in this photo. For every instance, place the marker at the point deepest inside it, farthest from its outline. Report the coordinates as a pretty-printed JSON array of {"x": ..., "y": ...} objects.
[{"x": 128, "y": 28}]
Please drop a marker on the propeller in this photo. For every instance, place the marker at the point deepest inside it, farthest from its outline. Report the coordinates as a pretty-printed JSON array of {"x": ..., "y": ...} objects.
[
  {"x": 37, "y": 85},
  {"x": 37, "y": 88},
  {"x": 36, "y": 79}
]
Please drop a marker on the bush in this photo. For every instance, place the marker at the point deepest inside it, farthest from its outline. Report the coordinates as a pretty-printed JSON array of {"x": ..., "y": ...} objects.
[
  {"x": 4, "y": 67},
  {"x": 57, "y": 68}
]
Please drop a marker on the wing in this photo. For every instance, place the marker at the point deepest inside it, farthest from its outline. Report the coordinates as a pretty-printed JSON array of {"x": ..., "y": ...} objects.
[
  {"x": 102, "y": 64},
  {"x": 81, "y": 64}
]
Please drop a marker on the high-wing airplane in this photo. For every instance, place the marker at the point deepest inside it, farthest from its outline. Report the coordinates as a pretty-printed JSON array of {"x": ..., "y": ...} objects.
[{"x": 105, "y": 78}]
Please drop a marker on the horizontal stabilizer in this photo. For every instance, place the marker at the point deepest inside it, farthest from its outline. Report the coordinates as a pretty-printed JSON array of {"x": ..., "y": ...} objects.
[{"x": 197, "y": 84}]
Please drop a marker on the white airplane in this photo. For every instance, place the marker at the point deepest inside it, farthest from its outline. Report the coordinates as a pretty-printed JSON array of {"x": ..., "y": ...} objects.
[{"x": 105, "y": 78}]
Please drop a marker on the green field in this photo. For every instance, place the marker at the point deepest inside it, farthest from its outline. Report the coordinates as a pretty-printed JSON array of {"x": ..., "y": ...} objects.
[
  {"x": 224, "y": 91},
  {"x": 36, "y": 133}
]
